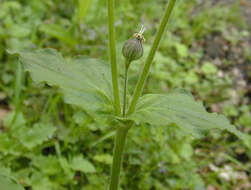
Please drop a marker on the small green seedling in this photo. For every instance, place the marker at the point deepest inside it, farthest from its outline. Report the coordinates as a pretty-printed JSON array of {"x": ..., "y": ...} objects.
[{"x": 94, "y": 86}]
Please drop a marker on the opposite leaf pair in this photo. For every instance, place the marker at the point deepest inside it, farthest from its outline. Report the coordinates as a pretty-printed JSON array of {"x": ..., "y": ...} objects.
[{"x": 86, "y": 82}]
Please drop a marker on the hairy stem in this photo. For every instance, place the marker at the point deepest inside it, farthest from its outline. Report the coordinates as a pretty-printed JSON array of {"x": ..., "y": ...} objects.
[
  {"x": 145, "y": 71},
  {"x": 120, "y": 140},
  {"x": 112, "y": 53},
  {"x": 125, "y": 87}
]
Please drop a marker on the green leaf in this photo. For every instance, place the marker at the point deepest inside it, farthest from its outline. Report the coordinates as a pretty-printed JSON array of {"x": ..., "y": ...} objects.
[
  {"x": 186, "y": 151},
  {"x": 181, "y": 50},
  {"x": 9, "y": 145},
  {"x": 209, "y": 68},
  {"x": 33, "y": 136},
  {"x": 104, "y": 158},
  {"x": 191, "y": 77},
  {"x": 48, "y": 165},
  {"x": 84, "y": 82},
  {"x": 57, "y": 31},
  {"x": 80, "y": 118},
  {"x": 9, "y": 183},
  {"x": 20, "y": 31},
  {"x": 65, "y": 165},
  {"x": 181, "y": 109},
  {"x": 78, "y": 163},
  {"x": 14, "y": 119},
  {"x": 83, "y": 7},
  {"x": 4, "y": 171},
  {"x": 40, "y": 181}
]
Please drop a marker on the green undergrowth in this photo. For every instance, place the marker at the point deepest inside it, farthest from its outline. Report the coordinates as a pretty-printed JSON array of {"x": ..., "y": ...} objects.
[{"x": 46, "y": 144}]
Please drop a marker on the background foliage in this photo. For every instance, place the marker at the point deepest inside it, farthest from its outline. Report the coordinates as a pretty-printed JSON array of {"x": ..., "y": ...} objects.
[{"x": 46, "y": 144}]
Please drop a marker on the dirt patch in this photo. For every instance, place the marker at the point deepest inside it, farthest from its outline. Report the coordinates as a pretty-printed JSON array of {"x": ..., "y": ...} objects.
[{"x": 246, "y": 10}]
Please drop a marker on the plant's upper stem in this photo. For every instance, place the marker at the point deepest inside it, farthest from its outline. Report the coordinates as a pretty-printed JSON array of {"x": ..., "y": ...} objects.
[
  {"x": 112, "y": 53},
  {"x": 122, "y": 131},
  {"x": 127, "y": 63},
  {"x": 145, "y": 71}
]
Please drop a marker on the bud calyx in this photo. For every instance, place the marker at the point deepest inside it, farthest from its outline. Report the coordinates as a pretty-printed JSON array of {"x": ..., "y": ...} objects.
[{"x": 133, "y": 49}]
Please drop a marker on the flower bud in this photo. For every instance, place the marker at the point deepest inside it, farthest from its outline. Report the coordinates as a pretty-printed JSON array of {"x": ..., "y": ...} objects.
[{"x": 132, "y": 49}]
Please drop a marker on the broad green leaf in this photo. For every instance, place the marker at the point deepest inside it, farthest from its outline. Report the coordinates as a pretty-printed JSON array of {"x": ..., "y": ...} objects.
[
  {"x": 48, "y": 165},
  {"x": 20, "y": 31},
  {"x": 103, "y": 158},
  {"x": 4, "y": 171},
  {"x": 9, "y": 145},
  {"x": 84, "y": 82},
  {"x": 40, "y": 181},
  {"x": 33, "y": 136},
  {"x": 14, "y": 119},
  {"x": 78, "y": 163},
  {"x": 181, "y": 109},
  {"x": 9, "y": 183}
]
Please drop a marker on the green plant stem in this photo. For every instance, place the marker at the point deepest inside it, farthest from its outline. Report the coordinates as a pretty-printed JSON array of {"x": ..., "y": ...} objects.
[
  {"x": 127, "y": 63},
  {"x": 145, "y": 71},
  {"x": 18, "y": 84},
  {"x": 120, "y": 140},
  {"x": 18, "y": 91},
  {"x": 112, "y": 53}
]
